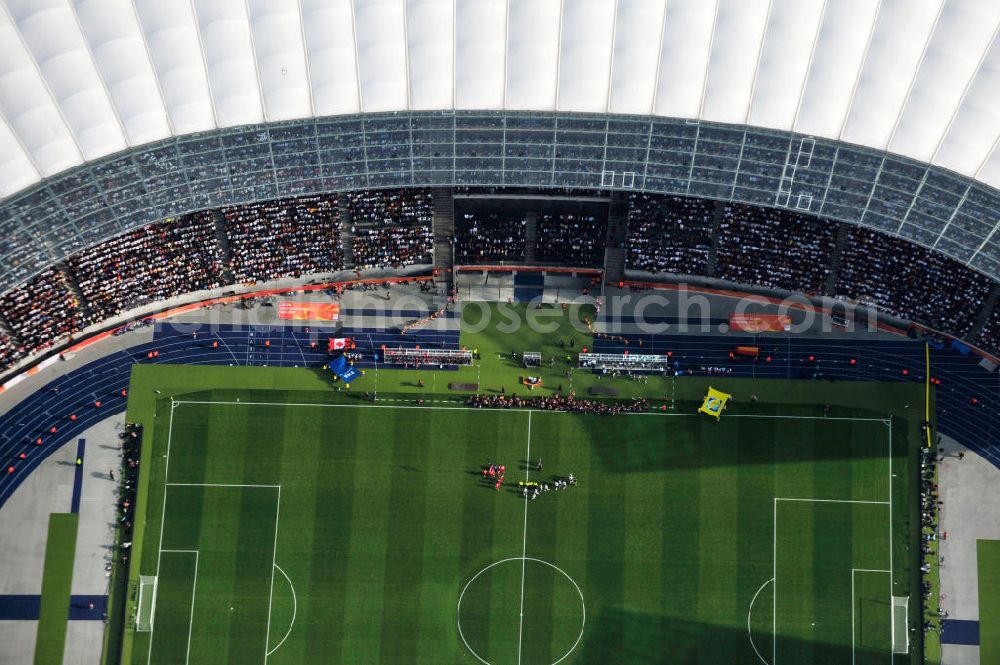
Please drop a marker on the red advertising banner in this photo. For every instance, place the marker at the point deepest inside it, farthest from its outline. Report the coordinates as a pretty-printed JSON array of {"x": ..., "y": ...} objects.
[
  {"x": 309, "y": 311},
  {"x": 760, "y": 322}
]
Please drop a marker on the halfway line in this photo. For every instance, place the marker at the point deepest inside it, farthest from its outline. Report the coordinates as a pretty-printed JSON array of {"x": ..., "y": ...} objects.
[{"x": 524, "y": 542}]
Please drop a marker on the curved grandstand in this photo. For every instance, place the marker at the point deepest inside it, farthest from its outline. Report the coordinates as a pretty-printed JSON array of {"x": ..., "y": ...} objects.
[
  {"x": 262, "y": 191},
  {"x": 650, "y": 237}
]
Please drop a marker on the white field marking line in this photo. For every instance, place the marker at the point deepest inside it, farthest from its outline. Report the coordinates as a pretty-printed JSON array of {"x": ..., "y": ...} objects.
[
  {"x": 274, "y": 556},
  {"x": 152, "y": 608},
  {"x": 295, "y": 610},
  {"x": 583, "y": 606},
  {"x": 780, "y": 417},
  {"x": 194, "y": 592},
  {"x": 853, "y": 611},
  {"x": 749, "y": 612},
  {"x": 892, "y": 632},
  {"x": 163, "y": 514},
  {"x": 218, "y": 485},
  {"x": 774, "y": 564},
  {"x": 786, "y": 498},
  {"x": 467, "y": 408},
  {"x": 524, "y": 543},
  {"x": 298, "y": 347},
  {"x": 159, "y": 546},
  {"x": 228, "y": 348}
]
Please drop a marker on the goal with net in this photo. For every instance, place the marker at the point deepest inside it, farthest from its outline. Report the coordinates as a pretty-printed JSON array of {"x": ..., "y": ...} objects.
[{"x": 147, "y": 603}]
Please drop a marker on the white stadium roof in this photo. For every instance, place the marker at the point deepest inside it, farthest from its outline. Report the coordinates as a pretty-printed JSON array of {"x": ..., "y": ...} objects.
[{"x": 82, "y": 79}]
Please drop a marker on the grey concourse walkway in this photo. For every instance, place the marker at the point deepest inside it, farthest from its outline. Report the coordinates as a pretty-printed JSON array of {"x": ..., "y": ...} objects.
[
  {"x": 970, "y": 490},
  {"x": 24, "y": 523}
]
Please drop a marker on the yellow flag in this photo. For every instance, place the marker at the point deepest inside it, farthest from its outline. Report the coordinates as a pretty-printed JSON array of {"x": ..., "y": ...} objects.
[{"x": 715, "y": 403}]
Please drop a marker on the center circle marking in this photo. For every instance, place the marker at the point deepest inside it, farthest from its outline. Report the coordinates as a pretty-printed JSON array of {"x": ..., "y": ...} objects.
[{"x": 583, "y": 605}]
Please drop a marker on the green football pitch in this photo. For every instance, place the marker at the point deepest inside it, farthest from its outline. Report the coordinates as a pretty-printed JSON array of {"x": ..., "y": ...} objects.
[{"x": 288, "y": 527}]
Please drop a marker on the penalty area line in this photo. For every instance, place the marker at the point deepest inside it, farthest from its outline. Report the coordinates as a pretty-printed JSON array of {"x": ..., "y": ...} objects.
[
  {"x": 295, "y": 610},
  {"x": 220, "y": 485},
  {"x": 749, "y": 613},
  {"x": 786, "y": 498},
  {"x": 274, "y": 556}
]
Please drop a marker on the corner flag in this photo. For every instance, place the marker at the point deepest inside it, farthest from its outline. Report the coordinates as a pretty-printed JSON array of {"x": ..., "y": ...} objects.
[{"x": 715, "y": 403}]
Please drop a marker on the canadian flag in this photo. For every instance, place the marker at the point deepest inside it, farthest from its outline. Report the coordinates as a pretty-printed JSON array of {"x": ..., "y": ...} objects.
[{"x": 338, "y": 343}]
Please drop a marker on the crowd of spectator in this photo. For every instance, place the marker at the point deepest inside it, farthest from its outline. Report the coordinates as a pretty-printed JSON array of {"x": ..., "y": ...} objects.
[
  {"x": 155, "y": 262},
  {"x": 572, "y": 239},
  {"x": 400, "y": 207},
  {"x": 669, "y": 234},
  {"x": 930, "y": 503},
  {"x": 910, "y": 282},
  {"x": 989, "y": 336},
  {"x": 42, "y": 310},
  {"x": 774, "y": 248},
  {"x": 287, "y": 238},
  {"x": 128, "y": 485},
  {"x": 491, "y": 236},
  {"x": 10, "y": 352},
  {"x": 391, "y": 229},
  {"x": 568, "y": 403},
  {"x": 395, "y": 247}
]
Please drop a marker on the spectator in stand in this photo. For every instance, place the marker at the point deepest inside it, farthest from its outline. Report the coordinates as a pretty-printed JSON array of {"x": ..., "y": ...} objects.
[
  {"x": 572, "y": 239},
  {"x": 568, "y": 403},
  {"x": 287, "y": 238},
  {"x": 156, "y": 262},
  {"x": 774, "y": 248},
  {"x": 391, "y": 228},
  {"x": 9, "y": 351},
  {"x": 910, "y": 282},
  {"x": 989, "y": 336},
  {"x": 669, "y": 234},
  {"x": 43, "y": 310},
  {"x": 490, "y": 236}
]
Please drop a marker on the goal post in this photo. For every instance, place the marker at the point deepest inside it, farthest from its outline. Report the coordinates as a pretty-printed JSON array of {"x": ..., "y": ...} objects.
[
  {"x": 147, "y": 604},
  {"x": 900, "y": 617}
]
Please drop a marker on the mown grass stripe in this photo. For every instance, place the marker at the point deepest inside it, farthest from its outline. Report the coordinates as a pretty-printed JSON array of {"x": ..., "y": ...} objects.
[
  {"x": 572, "y": 524},
  {"x": 606, "y": 554},
  {"x": 252, "y": 575},
  {"x": 644, "y": 508},
  {"x": 681, "y": 583},
  {"x": 304, "y": 440},
  {"x": 716, "y": 604},
  {"x": 541, "y": 604},
  {"x": 333, "y": 476},
  {"x": 408, "y": 487},
  {"x": 57, "y": 580},
  {"x": 756, "y": 491},
  {"x": 441, "y": 577},
  {"x": 370, "y": 520},
  {"x": 478, "y": 518},
  {"x": 510, "y": 444},
  {"x": 175, "y": 595}
]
